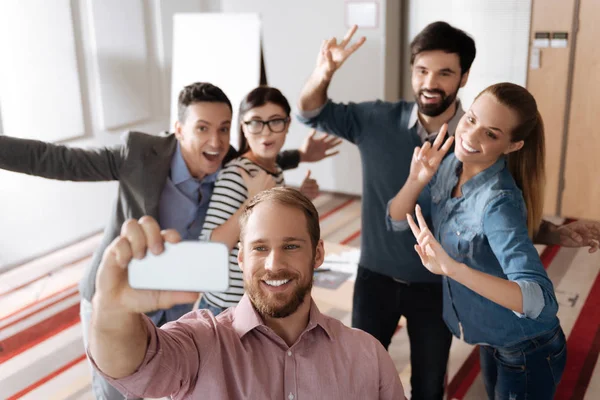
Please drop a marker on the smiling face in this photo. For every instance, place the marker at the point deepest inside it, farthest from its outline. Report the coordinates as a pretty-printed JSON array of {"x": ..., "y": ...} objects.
[
  {"x": 266, "y": 144},
  {"x": 484, "y": 132},
  {"x": 278, "y": 258},
  {"x": 436, "y": 78},
  {"x": 204, "y": 137}
]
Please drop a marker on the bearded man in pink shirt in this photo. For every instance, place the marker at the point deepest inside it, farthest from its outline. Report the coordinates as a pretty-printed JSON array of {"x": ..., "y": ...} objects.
[{"x": 275, "y": 344}]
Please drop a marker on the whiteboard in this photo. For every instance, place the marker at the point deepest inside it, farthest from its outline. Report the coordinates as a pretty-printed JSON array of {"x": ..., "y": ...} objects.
[
  {"x": 120, "y": 62},
  {"x": 40, "y": 94},
  {"x": 223, "y": 49}
]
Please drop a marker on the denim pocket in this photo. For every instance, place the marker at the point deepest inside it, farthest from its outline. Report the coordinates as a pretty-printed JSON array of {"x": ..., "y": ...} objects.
[
  {"x": 557, "y": 356},
  {"x": 513, "y": 360}
]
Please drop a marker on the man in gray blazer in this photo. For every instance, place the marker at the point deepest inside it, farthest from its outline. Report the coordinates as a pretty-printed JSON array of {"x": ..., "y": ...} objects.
[{"x": 169, "y": 177}]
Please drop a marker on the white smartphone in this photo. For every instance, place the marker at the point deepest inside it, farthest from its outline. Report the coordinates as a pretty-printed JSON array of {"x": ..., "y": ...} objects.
[{"x": 190, "y": 266}]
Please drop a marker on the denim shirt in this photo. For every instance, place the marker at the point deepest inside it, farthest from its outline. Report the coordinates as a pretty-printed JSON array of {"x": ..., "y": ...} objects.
[{"x": 486, "y": 229}]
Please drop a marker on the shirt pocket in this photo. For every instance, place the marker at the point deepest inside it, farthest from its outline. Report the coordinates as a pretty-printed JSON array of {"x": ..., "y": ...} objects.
[
  {"x": 459, "y": 242},
  {"x": 436, "y": 194}
]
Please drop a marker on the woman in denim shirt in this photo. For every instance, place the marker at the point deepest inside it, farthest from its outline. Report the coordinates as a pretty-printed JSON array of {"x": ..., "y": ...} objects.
[{"x": 485, "y": 204}]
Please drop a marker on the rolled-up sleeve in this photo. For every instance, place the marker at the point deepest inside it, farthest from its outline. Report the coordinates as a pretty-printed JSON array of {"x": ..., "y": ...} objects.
[
  {"x": 305, "y": 115},
  {"x": 393, "y": 225},
  {"x": 533, "y": 299},
  {"x": 505, "y": 226}
]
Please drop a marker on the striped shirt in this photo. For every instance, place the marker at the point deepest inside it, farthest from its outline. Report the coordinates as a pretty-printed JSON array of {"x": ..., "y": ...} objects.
[{"x": 228, "y": 196}]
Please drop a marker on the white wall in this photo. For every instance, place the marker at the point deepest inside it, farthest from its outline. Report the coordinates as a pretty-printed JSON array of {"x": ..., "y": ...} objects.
[
  {"x": 500, "y": 29},
  {"x": 292, "y": 36},
  {"x": 38, "y": 215}
]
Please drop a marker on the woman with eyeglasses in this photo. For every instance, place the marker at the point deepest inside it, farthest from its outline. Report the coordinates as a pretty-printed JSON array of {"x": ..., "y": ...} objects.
[{"x": 264, "y": 122}]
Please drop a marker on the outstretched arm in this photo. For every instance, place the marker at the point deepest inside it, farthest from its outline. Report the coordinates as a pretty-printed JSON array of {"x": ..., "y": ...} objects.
[{"x": 60, "y": 162}]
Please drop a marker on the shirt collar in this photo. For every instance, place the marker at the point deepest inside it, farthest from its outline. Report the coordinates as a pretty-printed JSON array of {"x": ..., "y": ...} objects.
[
  {"x": 246, "y": 318},
  {"x": 181, "y": 173},
  {"x": 452, "y": 123},
  {"x": 483, "y": 176}
]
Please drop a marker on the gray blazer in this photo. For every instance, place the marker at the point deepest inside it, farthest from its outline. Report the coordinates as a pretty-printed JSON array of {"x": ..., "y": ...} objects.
[{"x": 141, "y": 165}]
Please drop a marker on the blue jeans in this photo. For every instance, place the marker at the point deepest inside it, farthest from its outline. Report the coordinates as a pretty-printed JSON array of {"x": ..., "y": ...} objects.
[
  {"x": 379, "y": 302},
  {"x": 530, "y": 370},
  {"x": 204, "y": 305}
]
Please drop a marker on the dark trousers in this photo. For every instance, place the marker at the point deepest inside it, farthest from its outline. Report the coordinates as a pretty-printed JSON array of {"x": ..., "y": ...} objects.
[{"x": 379, "y": 302}]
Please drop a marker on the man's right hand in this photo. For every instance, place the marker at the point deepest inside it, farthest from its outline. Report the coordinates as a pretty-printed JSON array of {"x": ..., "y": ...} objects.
[
  {"x": 112, "y": 286},
  {"x": 332, "y": 54}
]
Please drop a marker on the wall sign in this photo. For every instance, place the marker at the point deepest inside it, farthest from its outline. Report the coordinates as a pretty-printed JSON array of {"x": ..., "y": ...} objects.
[{"x": 541, "y": 39}]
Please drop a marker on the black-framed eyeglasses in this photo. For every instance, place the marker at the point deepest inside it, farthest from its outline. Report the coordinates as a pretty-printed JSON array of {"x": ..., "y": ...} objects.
[{"x": 256, "y": 126}]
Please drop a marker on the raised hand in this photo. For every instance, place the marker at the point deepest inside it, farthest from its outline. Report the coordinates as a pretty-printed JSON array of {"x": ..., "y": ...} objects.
[
  {"x": 579, "y": 234},
  {"x": 309, "y": 187},
  {"x": 257, "y": 183},
  {"x": 333, "y": 54},
  {"x": 433, "y": 256},
  {"x": 112, "y": 284},
  {"x": 317, "y": 148},
  {"x": 427, "y": 159}
]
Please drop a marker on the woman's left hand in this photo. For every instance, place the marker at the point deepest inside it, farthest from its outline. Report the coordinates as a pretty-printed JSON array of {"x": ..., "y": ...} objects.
[{"x": 433, "y": 256}]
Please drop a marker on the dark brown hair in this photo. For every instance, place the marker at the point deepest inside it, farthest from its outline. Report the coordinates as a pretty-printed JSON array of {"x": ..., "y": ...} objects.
[
  {"x": 443, "y": 36},
  {"x": 197, "y": 93},
  {"x": 257, "y": 98}
]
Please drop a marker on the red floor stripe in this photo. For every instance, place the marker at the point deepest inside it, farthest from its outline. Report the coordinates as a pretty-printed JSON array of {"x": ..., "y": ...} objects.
[
  {"x": 336, "y": 209},
  {"x": 47, "y": 273},
  {"x": 351, "y": 237},
  {"x": 588, "y": 368},
  {"x": 464, "y": 378},
  {"x": 47, "y": 378},
  {"x": 582, "y": 347},
  {"x": 26, "y": 339},
  {"x": 39, "y": 310},
  {"x": 466, "y": 375},
  {"x": 38, "y": 301}
]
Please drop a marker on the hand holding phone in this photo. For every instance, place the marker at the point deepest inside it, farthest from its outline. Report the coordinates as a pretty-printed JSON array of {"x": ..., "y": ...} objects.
[{"x": 190, "y": 266}]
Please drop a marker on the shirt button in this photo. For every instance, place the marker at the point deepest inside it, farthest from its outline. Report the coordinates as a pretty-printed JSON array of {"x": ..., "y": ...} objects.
[
  {"x": 291, "y": 396},
  {"x": 289, "y": 354}
]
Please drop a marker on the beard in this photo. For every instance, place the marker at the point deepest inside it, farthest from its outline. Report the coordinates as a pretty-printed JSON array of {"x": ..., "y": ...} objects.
[
  {"x": 277, "y": 305},
  {"x": 433, "y": 110}
]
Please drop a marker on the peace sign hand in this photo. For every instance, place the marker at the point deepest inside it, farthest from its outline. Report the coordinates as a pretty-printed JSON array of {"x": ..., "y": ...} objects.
[
  {"x": 427, "y": 159},
  {"x": 333, "y": 54},
  {"x": 433, "y": 256}
]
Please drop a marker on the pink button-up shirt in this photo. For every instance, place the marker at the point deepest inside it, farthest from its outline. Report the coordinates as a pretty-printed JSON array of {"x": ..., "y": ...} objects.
[{"x": 236, "y": 356}]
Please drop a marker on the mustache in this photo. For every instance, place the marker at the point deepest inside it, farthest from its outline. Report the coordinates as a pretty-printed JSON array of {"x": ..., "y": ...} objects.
[{"x": 280, "y": 276}]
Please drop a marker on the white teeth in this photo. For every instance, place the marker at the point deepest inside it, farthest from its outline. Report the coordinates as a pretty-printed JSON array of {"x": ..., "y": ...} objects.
[
  {"x": 212, "y": 153},
  {"x": 468, "y": 148},
  {"x": 277, "y": 283},
  {"x": 431, "y": 96}
]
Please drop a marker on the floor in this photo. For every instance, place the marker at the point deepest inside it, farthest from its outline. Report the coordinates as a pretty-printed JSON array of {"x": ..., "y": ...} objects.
[{"x": 42, "y": 357}]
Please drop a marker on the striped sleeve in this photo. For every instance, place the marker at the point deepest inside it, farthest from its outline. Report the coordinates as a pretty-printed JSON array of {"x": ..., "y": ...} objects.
[{"x": 228, "y": 196}]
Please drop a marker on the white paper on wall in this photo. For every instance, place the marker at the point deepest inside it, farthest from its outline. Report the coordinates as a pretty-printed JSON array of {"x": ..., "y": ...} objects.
[{"x": 223, "y": 49}]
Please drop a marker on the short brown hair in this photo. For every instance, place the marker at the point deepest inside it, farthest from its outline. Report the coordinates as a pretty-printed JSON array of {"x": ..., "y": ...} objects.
[
  {"x": 287, "y": 197},
  {"x": 199, "y": 92}
]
